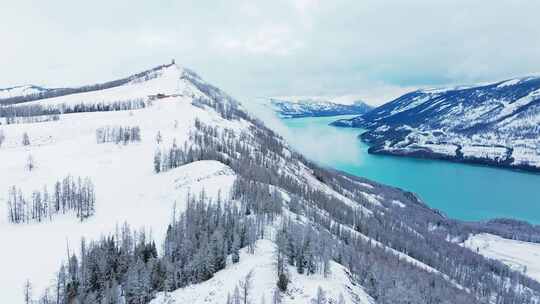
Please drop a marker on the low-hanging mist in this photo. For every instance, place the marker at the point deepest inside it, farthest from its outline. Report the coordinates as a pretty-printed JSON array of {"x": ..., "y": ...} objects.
[{"x": 330, "y": 148}]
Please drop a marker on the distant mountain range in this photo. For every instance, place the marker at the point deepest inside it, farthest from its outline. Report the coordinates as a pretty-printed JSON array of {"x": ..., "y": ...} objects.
[
  {"x": 495, "y": 124},
  {"x": 315, "y": 106},
  {"x": 18, "y": 91}
]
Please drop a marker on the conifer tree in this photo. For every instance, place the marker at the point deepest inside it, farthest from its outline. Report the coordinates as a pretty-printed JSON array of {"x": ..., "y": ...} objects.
[
  {"x": 236, "y": 296},
  {"x": 235, "y": 255},
  {"x": 246, "y": 284},
  {"x": 28, "y": 292},
  {"x": 2, "y": 137},
  {"x": 30, "y": 165},
  {"x": 341, "y": 299},
  {"x": 276, "y": 296},
  {"x": 25, "y": 139},
  {"x": 157, "y": 161},
  {"x": 321, "y": 296}
]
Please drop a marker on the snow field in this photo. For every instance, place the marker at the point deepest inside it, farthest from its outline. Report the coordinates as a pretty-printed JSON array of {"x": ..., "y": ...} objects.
[
  {"x": 301, "y": 289},
  {"x": 520, "y": 256}
]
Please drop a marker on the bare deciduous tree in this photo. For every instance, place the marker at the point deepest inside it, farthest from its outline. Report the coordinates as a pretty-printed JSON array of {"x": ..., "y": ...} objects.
[
  {"x": 30, "y": 164},
  {"x": 25, "y": 139},
  {"x": 321, "y": 297},
  {"x": 246, "y": 284},
  {"x": 27, "y": 292},
  {"x": 2, "y": 137}
]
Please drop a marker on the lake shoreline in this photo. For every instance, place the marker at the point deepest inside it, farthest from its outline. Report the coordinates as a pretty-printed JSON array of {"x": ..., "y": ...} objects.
[
  {"x": 480, "y": 162},
  {"x": 465, "y": 191},
  {"x": 430, "y": 155},
  {"x": 419, "y": 153}
]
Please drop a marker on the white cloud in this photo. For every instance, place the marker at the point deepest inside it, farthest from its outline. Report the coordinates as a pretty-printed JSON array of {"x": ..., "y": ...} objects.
[
  {"x": 305, "y": 6},
  {"x": 275, "y": 40},
  {"x": 281, "y": 47},
  {"x": 378, "y": 94},
  {"x": 156, "y": 39}
]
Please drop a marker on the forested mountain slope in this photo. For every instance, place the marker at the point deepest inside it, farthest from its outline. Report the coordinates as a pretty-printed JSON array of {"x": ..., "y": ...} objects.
[
  {"x": 210, "y": 186},
  {"x": 336, "y": 286},
  {"x": 495, "y": 124}
]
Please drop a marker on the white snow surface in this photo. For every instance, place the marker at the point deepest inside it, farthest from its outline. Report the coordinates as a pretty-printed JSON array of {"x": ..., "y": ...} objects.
[
  {"x": 520, "y": 256},
  {"x": 302, "y": 288},
  {"x": 439, "y": 90},
  {"x": 417, "y": 101},
  {"x": 167, "y": 82},
  {"x": 484, "y": 152},
  {"x": 510, "y": 82},
  {"x": 127, "y": 189},
  {"x": 441, "y": 149},
  {"x": 526, "y": 155},
  {"x": 399, "y": 203}
]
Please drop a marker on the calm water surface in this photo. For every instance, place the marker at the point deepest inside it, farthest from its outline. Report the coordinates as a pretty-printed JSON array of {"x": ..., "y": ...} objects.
[{"x": 462, "y": 191}]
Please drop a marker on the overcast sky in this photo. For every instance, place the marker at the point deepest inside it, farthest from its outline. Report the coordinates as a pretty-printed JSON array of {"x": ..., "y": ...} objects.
[{"x": 374, "y": 48}]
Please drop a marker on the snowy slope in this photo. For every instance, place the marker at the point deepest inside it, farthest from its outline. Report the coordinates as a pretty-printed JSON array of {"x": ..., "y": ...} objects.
[
  {"x": 521, "y": 256},
  {"x": 313, "y": 106},
  {"x": 495, "y": 124},
  {"x": 129, "y": 191},
  {"x": 163, "y": 81},
  {"x": 127, "y": 188},
  {"x": 302, "y": 289}
]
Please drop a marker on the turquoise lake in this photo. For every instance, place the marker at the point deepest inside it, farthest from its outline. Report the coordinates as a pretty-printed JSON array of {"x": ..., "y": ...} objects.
[{"x": 461, "y": 191}]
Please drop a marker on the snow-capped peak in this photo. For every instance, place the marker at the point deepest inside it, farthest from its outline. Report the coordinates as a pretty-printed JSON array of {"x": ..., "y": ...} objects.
[
  {"x": 495, "y": 123},
  {"x": 498, "y": 84},
  {"x": 305, "y": 106},
  {"x": 339, "y": 99},
  {"x": 169, "y": 70},
  {"x": 438, "y": 90}
]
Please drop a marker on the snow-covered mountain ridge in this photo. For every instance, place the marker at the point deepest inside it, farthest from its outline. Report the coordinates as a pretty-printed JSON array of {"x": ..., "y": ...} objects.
[
  {"x": 304, "y": 106},
  {"x": 29, "y": 93},
  {"x": 496, "y": 124},
  {"x": 19, "y": 91},
  {"x": 380, "y": 243}
]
